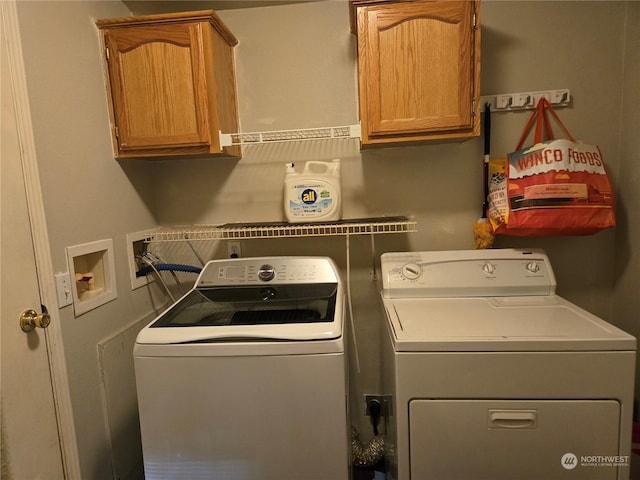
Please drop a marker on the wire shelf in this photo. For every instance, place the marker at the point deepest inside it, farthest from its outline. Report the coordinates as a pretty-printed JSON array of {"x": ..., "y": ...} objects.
[
  {"x": 239, "y": 231},
  {"x": 323, "y": 133}
]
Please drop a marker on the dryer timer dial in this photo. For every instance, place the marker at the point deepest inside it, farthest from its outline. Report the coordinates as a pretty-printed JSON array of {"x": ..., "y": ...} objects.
[
  {"x": 411, "y": 271},
  {"x": 489, "y": 268},
  {"x": 533, "y": 267}
]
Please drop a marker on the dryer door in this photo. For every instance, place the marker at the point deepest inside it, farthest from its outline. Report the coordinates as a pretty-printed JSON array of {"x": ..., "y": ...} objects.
[{"x": 503, "y": 440}]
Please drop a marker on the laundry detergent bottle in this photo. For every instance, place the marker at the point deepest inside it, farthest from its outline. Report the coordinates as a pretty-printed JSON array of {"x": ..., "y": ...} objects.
[{"x": 314, "y": 194}]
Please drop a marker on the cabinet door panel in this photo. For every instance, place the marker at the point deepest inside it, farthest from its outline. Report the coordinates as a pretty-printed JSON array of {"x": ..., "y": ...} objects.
[
  {"x": 417, "y": 68},
  {"x": 144, "y": 81}
]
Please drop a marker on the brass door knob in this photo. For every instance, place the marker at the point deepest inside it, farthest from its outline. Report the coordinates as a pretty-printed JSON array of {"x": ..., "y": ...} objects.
[{"x": 30, "y": 319}]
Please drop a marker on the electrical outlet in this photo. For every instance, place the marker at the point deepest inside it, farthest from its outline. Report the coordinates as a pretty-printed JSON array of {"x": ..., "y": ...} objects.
[
  {"x": 234, "y": 250},
  {"x": 369, "y": 399}
]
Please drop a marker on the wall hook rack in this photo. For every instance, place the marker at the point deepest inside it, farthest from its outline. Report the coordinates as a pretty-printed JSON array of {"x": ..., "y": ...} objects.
[{"x": 525, "y": 100}]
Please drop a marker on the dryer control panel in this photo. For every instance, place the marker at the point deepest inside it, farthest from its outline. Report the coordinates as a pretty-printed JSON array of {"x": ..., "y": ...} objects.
[{"x": 467, "y": 273}]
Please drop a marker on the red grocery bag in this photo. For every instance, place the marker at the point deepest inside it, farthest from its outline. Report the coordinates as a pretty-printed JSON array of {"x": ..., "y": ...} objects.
[{"x": 556, "y": 186}]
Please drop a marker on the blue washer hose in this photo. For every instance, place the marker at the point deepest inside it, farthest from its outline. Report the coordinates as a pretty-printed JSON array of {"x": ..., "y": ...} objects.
[{"x": 174, "y": 267}]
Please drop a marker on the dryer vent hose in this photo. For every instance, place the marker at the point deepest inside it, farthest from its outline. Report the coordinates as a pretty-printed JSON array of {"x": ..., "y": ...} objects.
[{"x": 368, "y": 455}]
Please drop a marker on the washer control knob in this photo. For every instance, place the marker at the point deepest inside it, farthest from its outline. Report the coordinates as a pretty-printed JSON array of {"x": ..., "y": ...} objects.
[
  {"x": 489, "y": 268},
  {"x": 533, "y": 267},
  {"x": 411, "y": 271},
  {"x": 266, "y": 273}
]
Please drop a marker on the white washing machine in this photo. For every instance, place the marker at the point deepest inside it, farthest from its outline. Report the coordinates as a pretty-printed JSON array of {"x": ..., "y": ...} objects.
[
  {"x": 492, "y": 376},
  {"x": 244, "y": 378}
]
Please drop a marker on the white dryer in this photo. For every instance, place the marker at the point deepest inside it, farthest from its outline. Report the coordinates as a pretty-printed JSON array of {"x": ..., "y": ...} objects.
[
  {"x": 492, "y": 376},
  {"x": 244, "y": 378}
]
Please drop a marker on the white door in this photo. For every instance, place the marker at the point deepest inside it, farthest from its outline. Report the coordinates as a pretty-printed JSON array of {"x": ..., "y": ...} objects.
[{"x": 30, "y": 438}]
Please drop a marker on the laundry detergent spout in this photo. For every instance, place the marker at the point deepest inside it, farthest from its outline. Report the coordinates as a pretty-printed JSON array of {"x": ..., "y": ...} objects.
[{"x": 313, "y": 195}]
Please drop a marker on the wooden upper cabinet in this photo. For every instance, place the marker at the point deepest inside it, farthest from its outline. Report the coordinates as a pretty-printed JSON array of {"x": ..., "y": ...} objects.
[
  {"x": 171, "y": 84},
  {"x": 418, "y": 71}
]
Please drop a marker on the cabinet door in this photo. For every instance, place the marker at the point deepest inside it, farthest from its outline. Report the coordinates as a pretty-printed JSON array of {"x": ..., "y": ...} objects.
[
  {"x": 418, "y": 69},
  {"x": 158, "y": 86}
]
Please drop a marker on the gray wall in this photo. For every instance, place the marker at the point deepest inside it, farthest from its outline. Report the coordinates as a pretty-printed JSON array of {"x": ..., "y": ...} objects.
[
  {"x": 296, "y": 68},
  {"x": 627, "y": 272}
]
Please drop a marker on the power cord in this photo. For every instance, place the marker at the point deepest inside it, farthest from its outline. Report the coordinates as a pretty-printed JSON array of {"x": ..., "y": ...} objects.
[{"x": 375, "y": 410}]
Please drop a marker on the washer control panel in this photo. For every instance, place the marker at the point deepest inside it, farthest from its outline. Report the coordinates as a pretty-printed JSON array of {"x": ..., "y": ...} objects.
[
  {"x": 268, "y": 270},
  {"x": 464, "y": 273}
]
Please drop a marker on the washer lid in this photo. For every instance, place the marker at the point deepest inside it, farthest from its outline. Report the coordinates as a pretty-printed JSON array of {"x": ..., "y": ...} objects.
[
  {"x": 532, "y": 323},
  {"x": 251, "y": 314}
]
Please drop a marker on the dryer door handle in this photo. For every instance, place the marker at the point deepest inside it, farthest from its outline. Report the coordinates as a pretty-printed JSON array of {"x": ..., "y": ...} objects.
[{"x": 512, "y": 419}]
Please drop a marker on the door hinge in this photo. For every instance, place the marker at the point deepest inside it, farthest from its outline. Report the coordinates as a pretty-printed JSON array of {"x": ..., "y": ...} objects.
[
  {"x": 106, "y": 52},
  {"x": 474, "y": 20},
  {"x": 117, "y": 132},
  {"x": 473, "y": 108}
]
